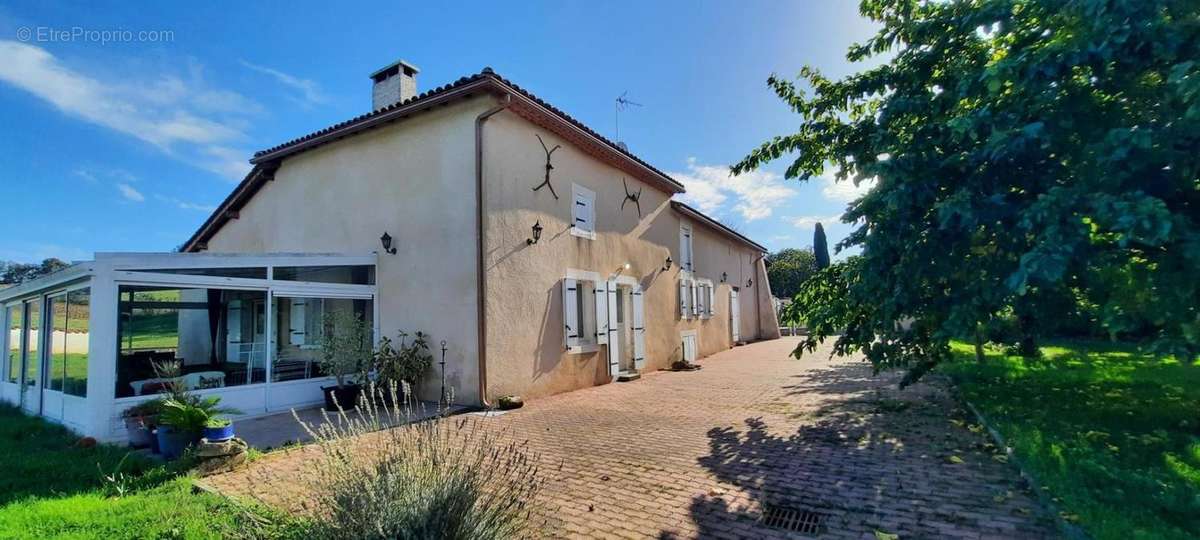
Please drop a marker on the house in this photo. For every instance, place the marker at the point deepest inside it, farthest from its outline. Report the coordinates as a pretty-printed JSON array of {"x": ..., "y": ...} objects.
[{"x": 546, "y": 257}]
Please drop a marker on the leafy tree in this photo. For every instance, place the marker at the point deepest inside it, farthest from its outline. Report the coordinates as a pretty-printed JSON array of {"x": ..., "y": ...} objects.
[
  {"x": 15, "y": 273},
  {"x": 788, "y": 268},
  {"x": 821, "y": 246},
  {"x": 1016, "y": 147}
]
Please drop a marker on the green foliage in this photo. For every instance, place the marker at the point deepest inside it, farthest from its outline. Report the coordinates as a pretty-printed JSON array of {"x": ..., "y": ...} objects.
[
  {"x": 820, "y": 246},
  {"x": 787, "y": 269},
  {"x": 1020, "y": 150},
  {"x": 407, "y": 363},
  {"x": 191, "y": 413},
  {"x": 1111, "y": 432},
  {"x": 453, "y": 478},
  {"x": 55, "y": 488},
  {"x": 15, "y": 273},
  {"x": 345, "y": 345}
]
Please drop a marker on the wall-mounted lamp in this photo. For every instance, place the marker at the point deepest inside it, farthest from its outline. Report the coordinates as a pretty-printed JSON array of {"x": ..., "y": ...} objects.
[
  {"x": 749, "y": 282},
  {"x": 537, "y": 233},
  {"x": 667, "y": 264},
  {"x": 724, "y": 276},
  {"x": 386, "y": 240}
]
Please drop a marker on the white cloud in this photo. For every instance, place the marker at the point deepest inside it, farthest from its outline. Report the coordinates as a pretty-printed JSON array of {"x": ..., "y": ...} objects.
[
  {"x": 845, "y": 190},
  {"x": 808, "y": 222},
  {"x": 166, "y": 112},
  {"x": 755, "y": 194},
  {"x": 185, "y": 205},
  {"x": 129, "y": 193},
  {"x": 310, "y": 91}
]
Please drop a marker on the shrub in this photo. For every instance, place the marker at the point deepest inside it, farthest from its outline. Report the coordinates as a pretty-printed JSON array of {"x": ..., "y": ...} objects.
[
  {"x": 191, "y": 413},
  {"x": 441, "y": 478},
  {"x": 407, "y": 363},
  {"x": 345, "y": 346}
]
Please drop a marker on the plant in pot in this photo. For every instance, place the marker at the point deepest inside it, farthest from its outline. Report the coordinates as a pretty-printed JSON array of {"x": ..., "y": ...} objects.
[
  {"x": 346, "y": 354},
  {"x": 396, "y": 367},
  {"x": 218, "y": 430},
  {"x": 183, "y": 420},
  {"x": 140, "y": 421}
]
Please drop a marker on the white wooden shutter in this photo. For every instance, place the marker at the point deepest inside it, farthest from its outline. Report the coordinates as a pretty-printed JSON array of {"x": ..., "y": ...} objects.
[
  {"x": 614, "y": 339},
  {"x": 692, "y": 292},
  {"x": 711, "y": 304},
  {"x": 639, "y": 330},
  {"x": 233, "y": 322},
  {"x": 297, "y": 329},
  {"x": 683, "y": 296},
  {"x": 602, "y": 324},
  {"x": 570, "y": 313}
]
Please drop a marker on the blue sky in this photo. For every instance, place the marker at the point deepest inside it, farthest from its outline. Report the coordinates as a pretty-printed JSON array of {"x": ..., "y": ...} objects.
[{"x": 122, "y": 125}]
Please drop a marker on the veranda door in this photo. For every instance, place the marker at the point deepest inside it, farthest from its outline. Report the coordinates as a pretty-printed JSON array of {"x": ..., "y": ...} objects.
[{"x": 54, "y": 356}]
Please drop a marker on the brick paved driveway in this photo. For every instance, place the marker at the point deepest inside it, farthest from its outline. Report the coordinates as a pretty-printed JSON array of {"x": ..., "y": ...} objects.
[{"x": 698, "y": 454}]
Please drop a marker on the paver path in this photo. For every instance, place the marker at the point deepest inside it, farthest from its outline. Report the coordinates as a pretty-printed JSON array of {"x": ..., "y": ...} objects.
[{"x": 697, "y": 454}]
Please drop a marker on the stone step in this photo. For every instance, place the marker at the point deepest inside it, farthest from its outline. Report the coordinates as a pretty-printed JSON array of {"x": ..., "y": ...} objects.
[{"x": 626, "y": 376}]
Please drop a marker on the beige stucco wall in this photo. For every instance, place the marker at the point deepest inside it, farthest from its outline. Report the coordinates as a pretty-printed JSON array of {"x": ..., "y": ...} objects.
[
  {"x": 524, "y": 298},
  {"x": 413, "y": 179}
]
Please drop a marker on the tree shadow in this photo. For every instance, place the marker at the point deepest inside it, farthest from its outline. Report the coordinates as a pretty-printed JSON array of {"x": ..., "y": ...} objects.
[{"x": 866, "y": 457}]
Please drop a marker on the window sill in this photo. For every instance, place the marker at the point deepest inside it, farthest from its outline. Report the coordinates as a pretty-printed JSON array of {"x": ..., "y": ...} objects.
[
  {"x": 576, "y": 231},
  {"x": 585, "y": 348}
]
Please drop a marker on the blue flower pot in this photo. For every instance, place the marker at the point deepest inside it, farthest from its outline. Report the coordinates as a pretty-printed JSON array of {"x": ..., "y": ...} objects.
[
  {"x": 219, "y": 434},
  {"x": 172, "y": 443}
]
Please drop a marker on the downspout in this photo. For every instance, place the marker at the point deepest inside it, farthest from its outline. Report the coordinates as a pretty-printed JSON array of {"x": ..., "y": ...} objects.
[
  {"x": 758, "y": 295},
  {"x": 481, "y": 270}
]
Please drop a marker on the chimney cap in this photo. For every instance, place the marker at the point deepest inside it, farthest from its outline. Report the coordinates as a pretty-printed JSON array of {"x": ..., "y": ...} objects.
[{"x": 394, "y": 68}]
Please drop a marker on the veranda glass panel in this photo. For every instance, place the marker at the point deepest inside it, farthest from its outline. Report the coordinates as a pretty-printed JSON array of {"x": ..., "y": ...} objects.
[
  {"x": 350, "y": 275},
  {"x": 56, "y": 342},
  {"x": 209, "y": 338},
  {"x": 79, "y": 309},
  {"x": 299, "y": 325},
  {"x": 33, "y": 310},
  {"x": 15, "y": 319}
]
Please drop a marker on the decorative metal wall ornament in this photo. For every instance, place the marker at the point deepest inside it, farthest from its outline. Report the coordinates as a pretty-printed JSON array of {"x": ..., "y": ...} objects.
[
  {"x": 549, "y": 167},
  {"x": 635, "y": 197}
]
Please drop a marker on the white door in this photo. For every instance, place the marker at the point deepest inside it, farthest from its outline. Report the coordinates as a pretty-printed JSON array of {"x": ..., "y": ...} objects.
[
  {"x": 735, "y": 318},
  {"x": 54, "y": 356},
  {"x": 689, "y": 348},
  {"x": 614, "y": 336},
  {"x": 639, "y": 330},
  {"x": 31, "y": 358}
]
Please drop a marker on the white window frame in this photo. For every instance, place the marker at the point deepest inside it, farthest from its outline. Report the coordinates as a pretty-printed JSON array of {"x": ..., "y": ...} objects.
[
  {"x": 586, "y": 339},
  {"x": 704, "y": 298},
  {"x": 583, "y": 212}
]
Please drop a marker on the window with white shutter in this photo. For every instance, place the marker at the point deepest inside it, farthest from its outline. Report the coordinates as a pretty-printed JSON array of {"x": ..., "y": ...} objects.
[
  {"x": 685, "y": 248},
  {"x": 583, "y": 212},
  {"x": 571, "y": 322}
]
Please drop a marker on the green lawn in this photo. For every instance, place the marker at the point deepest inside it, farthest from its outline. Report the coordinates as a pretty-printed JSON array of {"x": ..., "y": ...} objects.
[
  {"x": 51, "y": 488},
  {"x": 1113, "y": 434}
]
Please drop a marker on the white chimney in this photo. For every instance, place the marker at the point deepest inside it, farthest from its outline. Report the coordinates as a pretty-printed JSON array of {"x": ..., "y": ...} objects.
[{"x": 394, "y": 83}]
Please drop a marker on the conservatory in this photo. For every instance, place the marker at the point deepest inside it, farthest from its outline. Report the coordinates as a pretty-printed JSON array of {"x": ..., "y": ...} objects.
[{"x": 88, "y": 342}]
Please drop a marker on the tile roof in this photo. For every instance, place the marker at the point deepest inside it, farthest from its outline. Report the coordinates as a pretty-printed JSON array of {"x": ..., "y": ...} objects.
[{"x": 716, "y": 225}]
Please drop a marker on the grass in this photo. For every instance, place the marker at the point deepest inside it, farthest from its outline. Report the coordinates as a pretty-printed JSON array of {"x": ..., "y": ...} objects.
[
  {"x": 54, "y": 488},
  {"x": 1112, "y": 434}
]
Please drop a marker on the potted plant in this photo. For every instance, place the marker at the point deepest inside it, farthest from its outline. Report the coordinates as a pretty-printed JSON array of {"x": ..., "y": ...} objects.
[
  {"x": 396, "y": 366},
  {"x": 346, "y": 355},
  {"x": 140, "y": 420},
  {"x": 218, "y": 429},
  {"x": 183, "y": 420}
]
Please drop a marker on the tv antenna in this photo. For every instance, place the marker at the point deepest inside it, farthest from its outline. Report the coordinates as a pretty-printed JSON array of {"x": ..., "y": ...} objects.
[{"x": 621, "y": 104}]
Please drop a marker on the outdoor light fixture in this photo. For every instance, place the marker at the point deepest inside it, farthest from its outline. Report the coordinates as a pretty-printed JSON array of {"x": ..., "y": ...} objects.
[
  {"x": 537, "y": 233},
  {"x": 667, "y": 264},
  {"x": 386, "y": 240},
  {"x": 724, "y": 276},
  {"x": 749, "y": 282}
]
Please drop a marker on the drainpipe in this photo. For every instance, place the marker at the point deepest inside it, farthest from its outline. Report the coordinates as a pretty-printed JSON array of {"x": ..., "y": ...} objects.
[{"x": 481, "y": 270}]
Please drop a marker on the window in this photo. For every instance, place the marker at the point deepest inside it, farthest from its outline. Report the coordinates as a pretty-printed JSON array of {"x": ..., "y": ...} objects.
[
  {"x": 213, "y": 336},
  {"x": 704, "y": 299},
  {"x": 350, "y": 275},
  {"x": 15, "y": 318},
  {"x": 56, "y": 342},
  {"x": 259, "y": 272},
  {"x": 300, "y": 324},
  {"x": 583, "y": 212},
  {"x": 67, "y": 342},
  {"x": 685, "y": 248},
  {"x": 579, "y": 314},
  {"x": 32, "y": 337}
]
